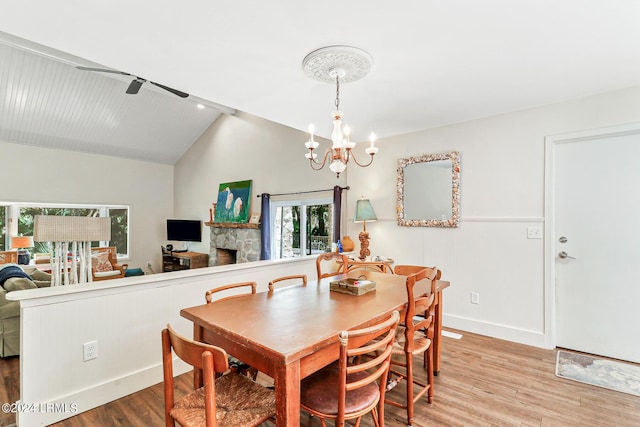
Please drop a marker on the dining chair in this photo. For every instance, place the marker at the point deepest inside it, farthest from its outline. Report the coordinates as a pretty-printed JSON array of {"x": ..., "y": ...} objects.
[
  {"x": 406, "y": 270},
  {"x": 353, "y": 386},
  {"x": 290, "y": 281},
  {"x": 414, "y": 337},
  {"x": 246, "y": 288},
  {"x": 231, "y": 400},
  {"x": 336, "y": 260}
]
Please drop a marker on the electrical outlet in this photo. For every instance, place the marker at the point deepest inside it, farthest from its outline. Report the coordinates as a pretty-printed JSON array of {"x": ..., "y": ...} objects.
[
  {"x": 475, "y": 298},
  {"x": 90, "y": 350}
]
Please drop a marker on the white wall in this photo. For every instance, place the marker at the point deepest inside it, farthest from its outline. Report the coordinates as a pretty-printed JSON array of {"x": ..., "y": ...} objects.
[
  {"x": 502, "y": 193},
  {"x": 242, "y": 147},
  {"x": 33, "y": 174}
]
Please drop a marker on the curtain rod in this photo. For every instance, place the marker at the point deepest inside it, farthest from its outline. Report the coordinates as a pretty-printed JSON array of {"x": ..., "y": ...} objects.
[{"x": 305, "y": 192}]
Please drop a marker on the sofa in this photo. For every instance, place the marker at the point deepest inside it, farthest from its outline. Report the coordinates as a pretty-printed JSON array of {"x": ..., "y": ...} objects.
[{"x": 14, "y": 278}]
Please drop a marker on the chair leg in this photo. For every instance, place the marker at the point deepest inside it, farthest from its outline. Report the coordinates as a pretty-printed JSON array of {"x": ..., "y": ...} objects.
[
  {"x": 428, "y": 355},
  {"x": 378, "y": 415},
  {"x": 409, "y": 359},
  {"x": 425, "y": 360}
]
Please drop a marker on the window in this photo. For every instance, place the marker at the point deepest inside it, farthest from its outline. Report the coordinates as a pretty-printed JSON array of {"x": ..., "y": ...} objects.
[
  {"x": 3, "y": 228},
  {"x": 23, "y": 216},
  {"x": 301, "y": 227}
]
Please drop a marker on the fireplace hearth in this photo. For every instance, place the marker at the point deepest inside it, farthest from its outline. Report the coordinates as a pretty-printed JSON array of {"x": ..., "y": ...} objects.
[{"x": 226, "y": 256}]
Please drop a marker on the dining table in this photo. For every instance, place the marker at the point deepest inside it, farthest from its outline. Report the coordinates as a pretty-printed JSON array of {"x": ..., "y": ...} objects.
[{"x": 292, "y": 332}]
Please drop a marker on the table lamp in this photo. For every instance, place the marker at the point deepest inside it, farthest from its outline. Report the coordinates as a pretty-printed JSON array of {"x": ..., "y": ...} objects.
[
  {"x": 71, "y": 234},
  {"x": 21, "y": 243},
  {"x": 364, "y": 213}
]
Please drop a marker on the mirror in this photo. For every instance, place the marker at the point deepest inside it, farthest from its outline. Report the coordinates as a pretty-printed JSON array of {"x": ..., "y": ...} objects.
[{"x": 428, "y": 190}]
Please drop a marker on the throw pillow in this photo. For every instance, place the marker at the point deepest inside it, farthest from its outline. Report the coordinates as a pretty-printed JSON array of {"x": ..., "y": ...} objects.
[
  {"x": 18, "y": 284},
  {"x": 40, "y": 276},
  {"x": 100, "y": 261}
]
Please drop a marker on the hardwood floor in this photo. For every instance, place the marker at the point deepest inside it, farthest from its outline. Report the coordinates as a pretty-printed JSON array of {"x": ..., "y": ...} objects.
[
  {"x": 483, "y": 382},
  {"x": 10, "y": 386}
]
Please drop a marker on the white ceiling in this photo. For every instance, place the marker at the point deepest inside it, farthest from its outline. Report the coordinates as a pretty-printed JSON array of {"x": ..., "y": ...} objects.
[{"x": 436, "y": 62}]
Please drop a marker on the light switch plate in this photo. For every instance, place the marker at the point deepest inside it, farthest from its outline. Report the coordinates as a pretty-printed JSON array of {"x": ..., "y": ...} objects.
[{"x": 534, "y": 232}]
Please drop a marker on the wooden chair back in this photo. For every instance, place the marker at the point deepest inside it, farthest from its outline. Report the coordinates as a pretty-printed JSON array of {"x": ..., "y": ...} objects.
[
  {"x": 9, "y": 257},
  {"x": 220, "y": 294},
  {"x": 291, "y": 280},
  {"x": 406, "y": 270},
  {"x": 332, "y": 258},
  {"x": 207, "y": 357},
  {"x": 245, "y": 289},
  {"x": 240, "y": 402},
  {"x": 111, "y": 253},
  {"x": 419, "y": 322},
  {"x": 365, "y": 357},
  {"x": 112, "y": 256},
  {"x": 377, "y": 339},
  {"x": 420, "y": 311}
]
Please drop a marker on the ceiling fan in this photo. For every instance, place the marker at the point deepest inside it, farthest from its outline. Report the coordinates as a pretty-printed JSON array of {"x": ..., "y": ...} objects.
[{"x": 136, "y": 83}]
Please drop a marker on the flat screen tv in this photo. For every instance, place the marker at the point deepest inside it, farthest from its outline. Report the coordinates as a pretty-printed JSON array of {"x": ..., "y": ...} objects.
[{"x": 184, "y": 230}]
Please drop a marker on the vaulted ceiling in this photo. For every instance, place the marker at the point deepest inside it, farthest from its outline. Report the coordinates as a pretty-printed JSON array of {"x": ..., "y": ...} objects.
[{"x": 434, "y": 63}]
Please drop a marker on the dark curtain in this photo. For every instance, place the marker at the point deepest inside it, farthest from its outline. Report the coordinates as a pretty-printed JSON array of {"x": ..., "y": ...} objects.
[
  {"x": 265, "y": 226},
  {"x": 337, "y": 209}
]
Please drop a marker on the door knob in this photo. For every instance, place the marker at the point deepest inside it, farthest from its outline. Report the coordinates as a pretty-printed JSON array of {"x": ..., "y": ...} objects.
[{"x": 564, "y": 255}]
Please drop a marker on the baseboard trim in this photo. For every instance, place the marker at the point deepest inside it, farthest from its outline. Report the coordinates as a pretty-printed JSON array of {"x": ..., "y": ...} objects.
[
  {"x": 84, "y": 400},
  {"x": 522, "y": 336}
]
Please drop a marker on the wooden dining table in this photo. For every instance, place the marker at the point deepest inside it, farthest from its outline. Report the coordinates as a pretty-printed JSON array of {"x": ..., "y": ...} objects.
[{"x": 290, "y": 333}]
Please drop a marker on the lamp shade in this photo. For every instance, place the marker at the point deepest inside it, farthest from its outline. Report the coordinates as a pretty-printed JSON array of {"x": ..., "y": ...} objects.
[
  {"x": 18, "y": 242},
  {"x": 364, "y": 211},
  {"x": 50, "y": 228}
]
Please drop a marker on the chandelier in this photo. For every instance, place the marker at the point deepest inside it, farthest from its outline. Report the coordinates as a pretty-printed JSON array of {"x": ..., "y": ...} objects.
[{"x": 337, "y": 64}]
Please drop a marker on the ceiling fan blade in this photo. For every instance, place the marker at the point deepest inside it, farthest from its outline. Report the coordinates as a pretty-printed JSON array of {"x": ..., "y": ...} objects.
[
  {"x": 174, "y": 91},
  {"x": 103, "y": 70},
  {"x": 134, "y": 86}
]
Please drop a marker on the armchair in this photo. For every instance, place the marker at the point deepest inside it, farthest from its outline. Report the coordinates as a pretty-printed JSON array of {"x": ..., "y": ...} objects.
[{"x": 104, "y": 264}]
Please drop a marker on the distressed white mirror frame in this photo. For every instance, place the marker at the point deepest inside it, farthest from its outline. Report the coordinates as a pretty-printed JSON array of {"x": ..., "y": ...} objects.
[{"x": 454, "y": 220}]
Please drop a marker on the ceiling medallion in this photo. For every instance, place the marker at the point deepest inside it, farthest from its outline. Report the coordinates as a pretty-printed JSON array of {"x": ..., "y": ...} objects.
[{"x": 339, "y": 64}]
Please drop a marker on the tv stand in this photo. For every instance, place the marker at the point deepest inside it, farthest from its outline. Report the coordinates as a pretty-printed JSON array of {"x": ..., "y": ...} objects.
[{"x": 188, "y": 260}]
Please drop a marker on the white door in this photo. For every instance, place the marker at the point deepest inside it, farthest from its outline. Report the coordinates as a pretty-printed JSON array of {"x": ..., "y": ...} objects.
[{"x": 597, "y": 242}]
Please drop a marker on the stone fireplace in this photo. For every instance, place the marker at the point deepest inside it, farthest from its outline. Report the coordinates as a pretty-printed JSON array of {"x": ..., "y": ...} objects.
[{"x": 233, "y": 243}]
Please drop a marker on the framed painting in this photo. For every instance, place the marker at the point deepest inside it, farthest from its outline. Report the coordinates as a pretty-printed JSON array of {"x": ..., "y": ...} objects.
[{"x": 233, "y": 202}]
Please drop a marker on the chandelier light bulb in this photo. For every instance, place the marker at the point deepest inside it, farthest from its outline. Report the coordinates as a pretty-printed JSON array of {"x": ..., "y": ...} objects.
[
  {"x": 311, "y": 144},
  {"x": 337, "y": 166},
  {"x": 312, "y": 129},
  {"x": 336, "y": 135},
  {"x": 372, "y": 149}
]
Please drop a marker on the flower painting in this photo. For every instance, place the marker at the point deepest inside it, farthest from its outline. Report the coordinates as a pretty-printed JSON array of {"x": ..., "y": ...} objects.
[{"x": 233, "y": 202}]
